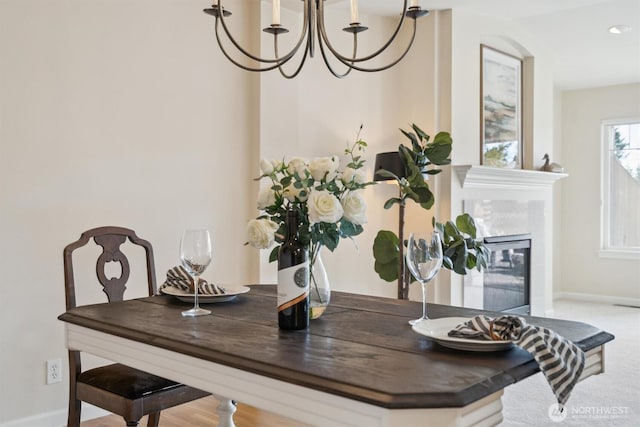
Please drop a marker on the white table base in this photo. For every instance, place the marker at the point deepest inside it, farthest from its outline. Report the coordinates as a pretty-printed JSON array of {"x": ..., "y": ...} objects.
[{"x": 299, "y": 403}]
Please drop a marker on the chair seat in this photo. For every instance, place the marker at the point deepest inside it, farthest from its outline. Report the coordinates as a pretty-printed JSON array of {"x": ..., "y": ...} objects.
[{"x": 125, "y": 381}]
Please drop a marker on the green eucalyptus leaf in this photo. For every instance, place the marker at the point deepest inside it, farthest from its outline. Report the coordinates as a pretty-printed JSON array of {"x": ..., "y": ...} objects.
[
  {"x": 386, "y": 247},
  {"x": 466, "y": 224},
  {"x": 442, "y": 138},
  {"x": 424, "y": 195},
  {"x": 349, "y": 229},
  {"x": 421, "y": 134},
  {"x": 452, "y": 249},
  {"x": 286, "y": 181},
  {"x": 330, "y": 240},
  {"x": 460, "y": 261},
  {"x": 438, "y": 154},
  {"x": 433, "y": 171},
  {"x": 471, "y": 261},
  {"x": 387, "y": 272},
  {"x": 450, "y": 229},
  {"x": 413, "y": 172},
  {"x": 273, "y": 256},
  {"x": 386, "y": 174},
  {"x": 392, "y": 202},
  {"x": 428, "y": 204},
  {"x": 460, "y": 245},
  {"x": 413, "y": 139}
]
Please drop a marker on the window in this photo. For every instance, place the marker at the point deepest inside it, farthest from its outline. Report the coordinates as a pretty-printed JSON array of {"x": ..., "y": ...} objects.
[{"x": 621, "y": 188}]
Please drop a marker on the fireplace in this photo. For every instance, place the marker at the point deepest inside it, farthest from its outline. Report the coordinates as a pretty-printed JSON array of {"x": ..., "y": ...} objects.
[
  {"x": 506, "y": 283},
  {"x": 505, "y": 202}
]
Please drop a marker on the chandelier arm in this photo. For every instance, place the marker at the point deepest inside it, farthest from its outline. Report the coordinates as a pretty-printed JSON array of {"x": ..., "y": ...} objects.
[
  {"x": 323, "y": 35},
  {"x": 326, "y": 60},
  {"x": 276, "y": 60},
  {"x": 309, "y": 48},
  {"x": 386, "y": 67},
  {"x": 244, "y": 67},
  {"x": 304, "y": 58}
]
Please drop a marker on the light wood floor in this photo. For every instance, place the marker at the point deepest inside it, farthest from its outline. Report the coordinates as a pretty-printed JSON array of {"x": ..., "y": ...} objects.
[{"x": 201, "y": 413}]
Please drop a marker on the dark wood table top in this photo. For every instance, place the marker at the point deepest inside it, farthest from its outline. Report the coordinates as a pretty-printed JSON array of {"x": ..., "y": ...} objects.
[{"x": 361, "y": 348}]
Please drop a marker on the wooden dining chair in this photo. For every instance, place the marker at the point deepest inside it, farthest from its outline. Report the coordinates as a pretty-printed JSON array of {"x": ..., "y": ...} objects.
[{"x": 120, "y": 389}]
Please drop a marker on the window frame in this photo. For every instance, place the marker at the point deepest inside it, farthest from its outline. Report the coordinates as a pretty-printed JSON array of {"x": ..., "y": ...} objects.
[{"x": 606, "y": 250}]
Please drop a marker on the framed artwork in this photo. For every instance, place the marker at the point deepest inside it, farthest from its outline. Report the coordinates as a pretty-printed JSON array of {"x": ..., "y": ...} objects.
[{"x": 501, "y": 109}]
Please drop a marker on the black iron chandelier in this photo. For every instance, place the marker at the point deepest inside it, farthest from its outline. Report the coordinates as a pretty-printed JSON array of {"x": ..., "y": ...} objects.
[{"x": 313, "y": 26}]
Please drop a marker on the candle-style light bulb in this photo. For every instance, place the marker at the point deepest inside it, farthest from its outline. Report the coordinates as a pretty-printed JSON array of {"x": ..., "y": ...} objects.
[
  {"x": 414, "y": 3},
  {"x": 276, "y": 12},
  {"x": 354, "y": 12}
]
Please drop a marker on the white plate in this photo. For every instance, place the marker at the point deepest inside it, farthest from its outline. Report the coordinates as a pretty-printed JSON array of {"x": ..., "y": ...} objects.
[
  {"x": 438, "y": 329},
  {"x": 231, "y": 293}
]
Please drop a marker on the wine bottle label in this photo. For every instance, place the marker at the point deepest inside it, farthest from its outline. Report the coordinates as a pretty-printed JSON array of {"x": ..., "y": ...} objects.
[{"x": 293, "y": 285}]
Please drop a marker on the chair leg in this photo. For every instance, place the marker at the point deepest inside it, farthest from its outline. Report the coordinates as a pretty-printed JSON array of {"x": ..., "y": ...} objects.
[
  {"x": 73, "y": 418},
  {"x": 132, "y": 423},
  {"x": 154, "y": 419}
]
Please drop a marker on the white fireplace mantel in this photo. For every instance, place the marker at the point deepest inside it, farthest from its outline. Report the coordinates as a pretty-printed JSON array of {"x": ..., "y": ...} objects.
[
  {"x": 472, "y": 176},
  {"x": 509, "y": 201}
]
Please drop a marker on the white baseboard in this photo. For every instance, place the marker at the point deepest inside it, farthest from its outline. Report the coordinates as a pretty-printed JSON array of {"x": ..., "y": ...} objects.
[
  {"x": 55, "y": 418},
  {"x": 604, "y": 299}
]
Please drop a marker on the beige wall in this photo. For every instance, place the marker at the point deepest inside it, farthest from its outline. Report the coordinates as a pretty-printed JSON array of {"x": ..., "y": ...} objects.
[
  {"x": 111, "y": 113},
  {"x": 125, "y": 113},
  {"x": 583, "y": 270}
]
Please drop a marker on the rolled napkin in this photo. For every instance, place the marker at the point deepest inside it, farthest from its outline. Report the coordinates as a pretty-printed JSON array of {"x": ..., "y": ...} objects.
[
  {"x": 560, "y": 360},
  {"x": 178, "y": 277}
]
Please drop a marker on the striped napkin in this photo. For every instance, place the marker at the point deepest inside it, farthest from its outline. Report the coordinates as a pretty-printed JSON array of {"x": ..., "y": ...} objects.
[
  {"x": 560, "y": 360},
  {"x": 178, "y": 278}
]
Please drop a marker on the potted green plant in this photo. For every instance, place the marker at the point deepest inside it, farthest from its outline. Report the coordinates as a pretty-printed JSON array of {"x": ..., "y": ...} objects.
[{"x": 462, "y": 250}]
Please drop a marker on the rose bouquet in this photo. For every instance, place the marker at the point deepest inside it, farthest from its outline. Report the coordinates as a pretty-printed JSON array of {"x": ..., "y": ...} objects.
[{"x": 329, "y": 201}]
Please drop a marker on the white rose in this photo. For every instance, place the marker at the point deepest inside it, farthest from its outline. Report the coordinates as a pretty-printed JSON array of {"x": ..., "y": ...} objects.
[
  {"x": 291, "y": 193},
  {"x": 297, "y": 164},
  {"x": 324, "y": 167},
  {"x": 353, "y": 175},
  {"x": 355, "y": 208},
  {"x": 266, "y": 167},
  {"x": 261, "y": 233},
  {"x": 266, "y": 197},
  {"x": 324, "y": 207}
]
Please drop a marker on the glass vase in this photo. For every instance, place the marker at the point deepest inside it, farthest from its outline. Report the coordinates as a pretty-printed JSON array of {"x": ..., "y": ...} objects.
[{"x": 319, "y": 286}]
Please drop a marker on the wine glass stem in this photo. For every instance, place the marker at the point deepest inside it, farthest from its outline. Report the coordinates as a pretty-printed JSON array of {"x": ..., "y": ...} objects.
[
  {"x": 196, "y": 281},
  {"x": 424, "y": 300}
]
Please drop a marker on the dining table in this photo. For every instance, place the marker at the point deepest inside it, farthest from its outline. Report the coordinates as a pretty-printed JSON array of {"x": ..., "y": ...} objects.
[{"x": 359, "y": 364}]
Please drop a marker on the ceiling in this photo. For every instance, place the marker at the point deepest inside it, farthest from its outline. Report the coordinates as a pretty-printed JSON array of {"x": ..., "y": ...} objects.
[{"x": 585, "y": 54}]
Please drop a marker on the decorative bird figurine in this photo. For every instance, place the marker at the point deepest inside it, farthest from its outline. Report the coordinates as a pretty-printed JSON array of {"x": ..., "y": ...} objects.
[{"x": 550, "y": 167}]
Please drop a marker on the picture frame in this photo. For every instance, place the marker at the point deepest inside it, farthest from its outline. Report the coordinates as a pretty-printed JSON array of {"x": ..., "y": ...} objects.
[{"x": 500, "y": 109}]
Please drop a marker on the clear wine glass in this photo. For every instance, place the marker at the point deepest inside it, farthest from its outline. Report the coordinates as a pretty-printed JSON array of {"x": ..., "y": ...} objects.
[
  {"x": 195, "y": 256},
  {"x": 424, "y": 259}
]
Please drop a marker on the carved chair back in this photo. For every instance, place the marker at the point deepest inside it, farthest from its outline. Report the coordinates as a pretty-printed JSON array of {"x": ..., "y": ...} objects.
[{"x": 110, "y": 239}]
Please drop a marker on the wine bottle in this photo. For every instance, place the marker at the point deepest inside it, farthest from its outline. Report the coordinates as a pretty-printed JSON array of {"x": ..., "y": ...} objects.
[{"x": 293, "y": 278}]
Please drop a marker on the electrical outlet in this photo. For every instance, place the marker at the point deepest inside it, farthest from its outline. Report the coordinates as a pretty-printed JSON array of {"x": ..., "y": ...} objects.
[{"x": 54, "y": 371}]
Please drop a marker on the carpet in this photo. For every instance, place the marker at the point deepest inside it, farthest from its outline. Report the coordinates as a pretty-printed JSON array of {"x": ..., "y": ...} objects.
[{"x": 608, "y": 399}]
